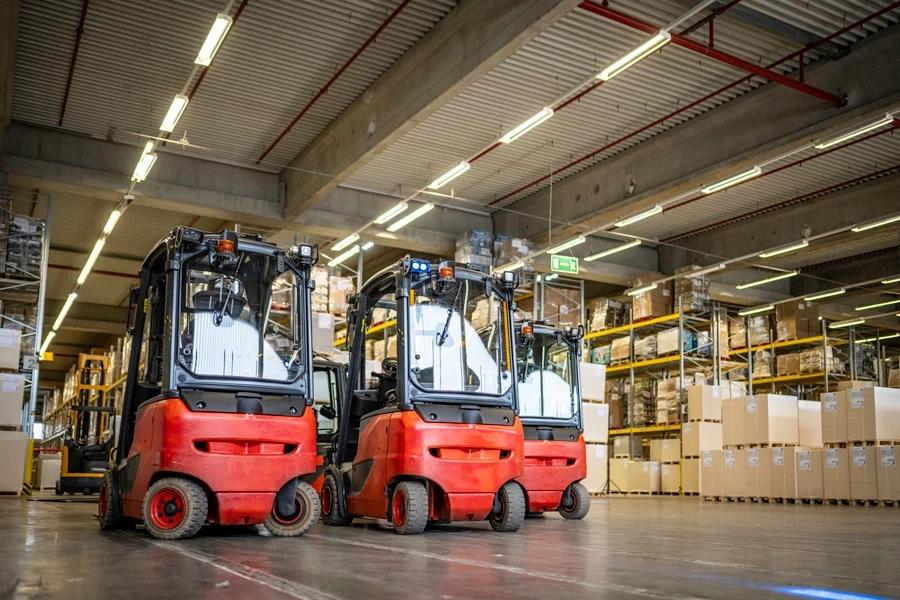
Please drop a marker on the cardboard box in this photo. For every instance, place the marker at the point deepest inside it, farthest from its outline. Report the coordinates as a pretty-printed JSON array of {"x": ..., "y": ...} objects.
[
  {"x": 618, "y": 474},
  {"x": 864, "y": 472},
  {"x": 705, "y": 402},
  {"x": 873, "y": 414},
  {"x": 790, "y": 321},
  {"x": 596, "y": 422},
  {"x": 13, "y": 445},
  {"x": 853, "y": 384},
  {"x": 783, "y": 478},
  {"x": 808, "y": 467},
  {"x": 711, "y": 475},
  {"x": 756, "y": 467},
  {"x": 771, "y": 419},
  {"x": 836, "y": 474},
  {"x": 597, "y": 456},
  {"x": 48, "y": 469},
  {"x": 644, "y": 476},
  {"x": 834, "y": 418},
  {"x": 323, "y": 333},
  {"x": 810, "y": 419},
  {"x": 732, "y": 421},
  {"x": 700, "y": 436},
  {"x": 888, "y": 473},
  {"x": 787, "y": 364},
  {"x": 593, "y": 382},
  {"x": 12, "y": 395},
  {"x": 670, "y": 478},
  {"x": 11, "y": 349},
  {"x": 616, "y": 413},
  {"x": 654, "y": 303},
  {"x": 665, "y": 451},
  {"x": 690, "y": 475},
  {"x": 621, "y": 444},
  {"x": 732, "y": 473}
]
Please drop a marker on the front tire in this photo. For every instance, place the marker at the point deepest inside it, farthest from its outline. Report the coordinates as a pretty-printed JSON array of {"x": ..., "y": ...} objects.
[
  {"x": 576, "y": 502},
  {"x": 308, "y": 509},
  {"x": 409, "y": 508},
  {"x": 330, "y": 502},
  {"x": 509, "y": 508},
  {"x": 174, "y": 508},
  {"x": 109, "y": 506}
]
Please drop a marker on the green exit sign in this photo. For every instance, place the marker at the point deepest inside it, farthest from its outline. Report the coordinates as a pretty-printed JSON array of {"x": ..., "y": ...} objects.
[{"x": 564, "y": 264}]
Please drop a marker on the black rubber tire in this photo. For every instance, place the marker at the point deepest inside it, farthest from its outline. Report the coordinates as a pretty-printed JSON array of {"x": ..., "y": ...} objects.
[
  {"x": 582, "y": 502},
  {"x": 512, "y": 509},
  {"x": 414, "y": 497},
  {"x": 58, "y": 489},
  {"x": 109, "y": 506},
  {"x": 330, "y": 514},
  {"x": 196, "y": 507},
  {"x": 310, "y": 507}
]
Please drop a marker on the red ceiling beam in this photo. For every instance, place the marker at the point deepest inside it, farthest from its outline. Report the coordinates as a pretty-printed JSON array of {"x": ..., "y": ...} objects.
[
  {"x": 728, "y": 59},
  {"x": 78, "y": 34},
  {"x": 334, "y": 78}
]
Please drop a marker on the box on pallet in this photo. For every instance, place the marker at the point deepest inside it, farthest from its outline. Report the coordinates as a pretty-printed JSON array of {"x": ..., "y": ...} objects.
[
  {"x": 616, "y": 413},
  {"x": 864, "y": 472},
  {"x": 654, "y": 303},
  {"x": 757, "y": 470},
  {"x": 10, "y": 348},
  {"x": 732, "y": 473},
  {"x": 770, "y": 419},
  {"x": 475, "y": 247},
  {"x": 888, "y": 473},
  {"x": 710, "y": 481},
  {"x": 873, "y": 414},
  {"x": 13, "y": 445},
  {"x": 670, "y": 478},
  {"x": 792, "y": 320},
  {"x": 593, "y": 382},
  {"x": 810, "y": 420},
  {"x": 596, "y": 422},
  {"x": 618, "y": 474},
  {"x": 596, "y": 456},
  {"x": 644, "y": 476},
  {"x": 601, "y": 355},
  {"x": 700, "y": 436},
  {"x": 620, "y": 350},
  {"x": 834, "y": 417},
  {"x": 762, "y": 364},
  {"x": 562, "y": 306},
  {"x": 852, "y": 384},
  {"x": 621, "y": 444},
  {"x": 836, "y": 474},
  {"x": 705, "y": 403},
  {"x": 645, "y": 348},
  {"x": 737, "y": 334},
  {"x": 732, "y": 421},
  {"x": 607, "y": 314},
  {"x": 796, "y": 471},
  {"x": 510, "y": 249},
  {"x": 665, "y": 451},
  {"x": 690, "y": 475},
  {"x": 12, "y": 392},
  {"x": 759, "y": 330},
  {"x": 787, "y": 364},
  {"x": 693, "y": 290}
]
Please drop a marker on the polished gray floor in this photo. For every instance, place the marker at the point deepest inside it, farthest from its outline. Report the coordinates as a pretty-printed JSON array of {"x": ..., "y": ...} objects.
[{"x": 626, "y": 548}]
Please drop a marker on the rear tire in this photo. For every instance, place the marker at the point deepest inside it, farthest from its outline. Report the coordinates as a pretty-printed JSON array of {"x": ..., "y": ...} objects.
[
  {"x": 330, "y": 503},
  {"x": 580, "y": 502},
  {"x": 174, "y": 508},
  {"x": 308, "y": 507},
  {"x": 509, "y": 513},
  {"x": 409, "y": 508}
]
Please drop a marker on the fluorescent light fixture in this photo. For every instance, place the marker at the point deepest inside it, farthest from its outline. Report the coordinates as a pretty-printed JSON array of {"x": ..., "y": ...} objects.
[
  {"x": 528, "y": 125},
  {"x": 47, "y": 341},
  {"x": 143, "y": 167},
  {"x": 411, "y": 217},
  {"x": 756, "y": 310},
  {"x": 879, "y": 339},
  {"x": 384, "y": 218},
  {"x": 744, "y": 286},
  {"x": 95, "y": 254},
  {"x": 341, "y": 258},
  {"x": 825, "y": 295},
  {"x": 635, "y": 56},
  {"x": 641, "y": 290},
  {"x": 847, "y": 323},
  {"x": 171, "y": 119},
  {"x": 148, "y": 147},
  {"x": 625, "y": 246},
  {"x": 65, "y": 310},
  {"x": 866, "y": 127},
  {"x": 214, "y": 39},
  {"x": 784, "y": 249},
  {"x": 551, "y": 277},
  {"x": 515, "y": 266},
  {"x": 345, "y": 242},
  {"x": 640, "y": 216},
  {"x": 368, "y": 245},
  {"x": 890, "y": 281},
  {"x": 449, "y": 176},
  {"x": 566, "y": 245},
  {"x": 706, "y": 271},
  {"x": 879, "y": 305},
  {"x": 874, "y": 224},
  {"x": 111, "y": 222},
  {"x": 733, "y": 180}
]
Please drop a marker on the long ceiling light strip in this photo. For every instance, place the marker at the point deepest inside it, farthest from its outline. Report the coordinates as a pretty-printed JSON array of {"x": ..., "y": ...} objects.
[
  {"x": 823, "y": 295},
  {"x": 566, "y": 245},
  {"x": 778, "y": 277},
  {"x": 847, "y": 323},
  {"x": 756, "y": 310},
  {"x": 527, "y": 126},
  {"x": 410, "y": 217},
  {"x": 640, "y": 216},
  {"x": 864, "y": 128},
  {"x": 635, "y": 56},
  {"x": 214, "y": 40},
  {"x": 784, "y": 249},
  {"x": 733, "y": 180},
  {"x": 611, "y": 251},
  {"x": 878, "y": 305},
  {"x": 876, "y": 223}
]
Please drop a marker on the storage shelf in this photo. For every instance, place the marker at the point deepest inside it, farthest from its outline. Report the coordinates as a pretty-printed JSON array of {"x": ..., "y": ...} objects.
[
  {"x": 626, "y": 328},
  {"x": 656, "y": 363},
  {"x": 648, "y": 429},
  {"x": 787, "y": 343},
  {"x": 373, "y": 329},
  {"x": 787, "y": 378}
]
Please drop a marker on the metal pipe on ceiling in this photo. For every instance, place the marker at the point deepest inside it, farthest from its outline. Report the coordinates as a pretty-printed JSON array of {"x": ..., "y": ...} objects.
[{"x": 78, "y": 34}]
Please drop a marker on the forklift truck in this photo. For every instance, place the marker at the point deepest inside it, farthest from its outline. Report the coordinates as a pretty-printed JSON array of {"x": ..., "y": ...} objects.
[
  {"x": 217, "y": 422},
  {"x": 435, "y": 437},
  {"x": 549, "y": 387}
]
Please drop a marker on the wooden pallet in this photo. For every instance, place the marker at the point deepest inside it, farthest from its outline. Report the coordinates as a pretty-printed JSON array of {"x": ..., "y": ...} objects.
[
  {"x": 776, "y": 445},
  {"x": 619, "y": 361},
  {"x": 5, "y": 427},
  {"x": 863, "y": 502},
  {"x": 11, "y": 493},
  {"x": 875, "y": 443},
  {"x": 889, "y": 503},
  {"x": 690, "y": 493},
  {"x": 836, "y": 501}
]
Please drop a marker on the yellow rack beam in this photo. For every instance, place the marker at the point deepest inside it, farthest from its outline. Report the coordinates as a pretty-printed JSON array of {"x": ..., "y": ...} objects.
[
  {"x": 788, "y": 343},
  {"x": 648, "y": 429},
  {"x": 372, "y": 329},
  {"x": 623, "y": 328},
  {"x": 785, "y": 378},
  {"x": 653, "y": 362}
]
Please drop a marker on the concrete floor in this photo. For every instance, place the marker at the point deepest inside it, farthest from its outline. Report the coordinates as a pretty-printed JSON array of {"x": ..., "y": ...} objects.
[{"x": 627, "y": 547}]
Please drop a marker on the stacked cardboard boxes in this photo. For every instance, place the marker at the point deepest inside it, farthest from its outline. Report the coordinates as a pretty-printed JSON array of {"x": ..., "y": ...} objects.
[
  {"x": 475, "y": 248},
  {"x": 701, "y": 435},
  {"x": 693, "y": 291},
  {"x": 796, "y": 320},
  {"x": 606, "y": 314},
  {"x": 595, "y": 414},
  {"x": 653, "y": 303},
  {"x": 667, "y": 452}
]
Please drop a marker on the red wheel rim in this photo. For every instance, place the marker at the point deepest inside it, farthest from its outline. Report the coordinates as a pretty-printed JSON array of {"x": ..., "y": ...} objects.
[
  {"x": 288, "y": 520},
  {"x": 167, "y": 509},
  {"x": 102, "y": 501},
  {"x": 399, "y": 508},
  {"x": 326, "y": 500}
]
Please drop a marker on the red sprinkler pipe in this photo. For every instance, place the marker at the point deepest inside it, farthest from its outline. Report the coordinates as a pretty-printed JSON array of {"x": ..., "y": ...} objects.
[
  {"x": 78, "y": 34},
  {"x": 714, "y": 54},
  {"x": 334, "y": 78},
  {"x": 687, "y": 107}
]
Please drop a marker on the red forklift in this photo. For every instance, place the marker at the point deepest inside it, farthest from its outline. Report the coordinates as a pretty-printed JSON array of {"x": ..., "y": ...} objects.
[
  {"x": 217, "y": 422},
  {"x": 434, "y": 436},
  {"x": 549, "y": 389}
]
